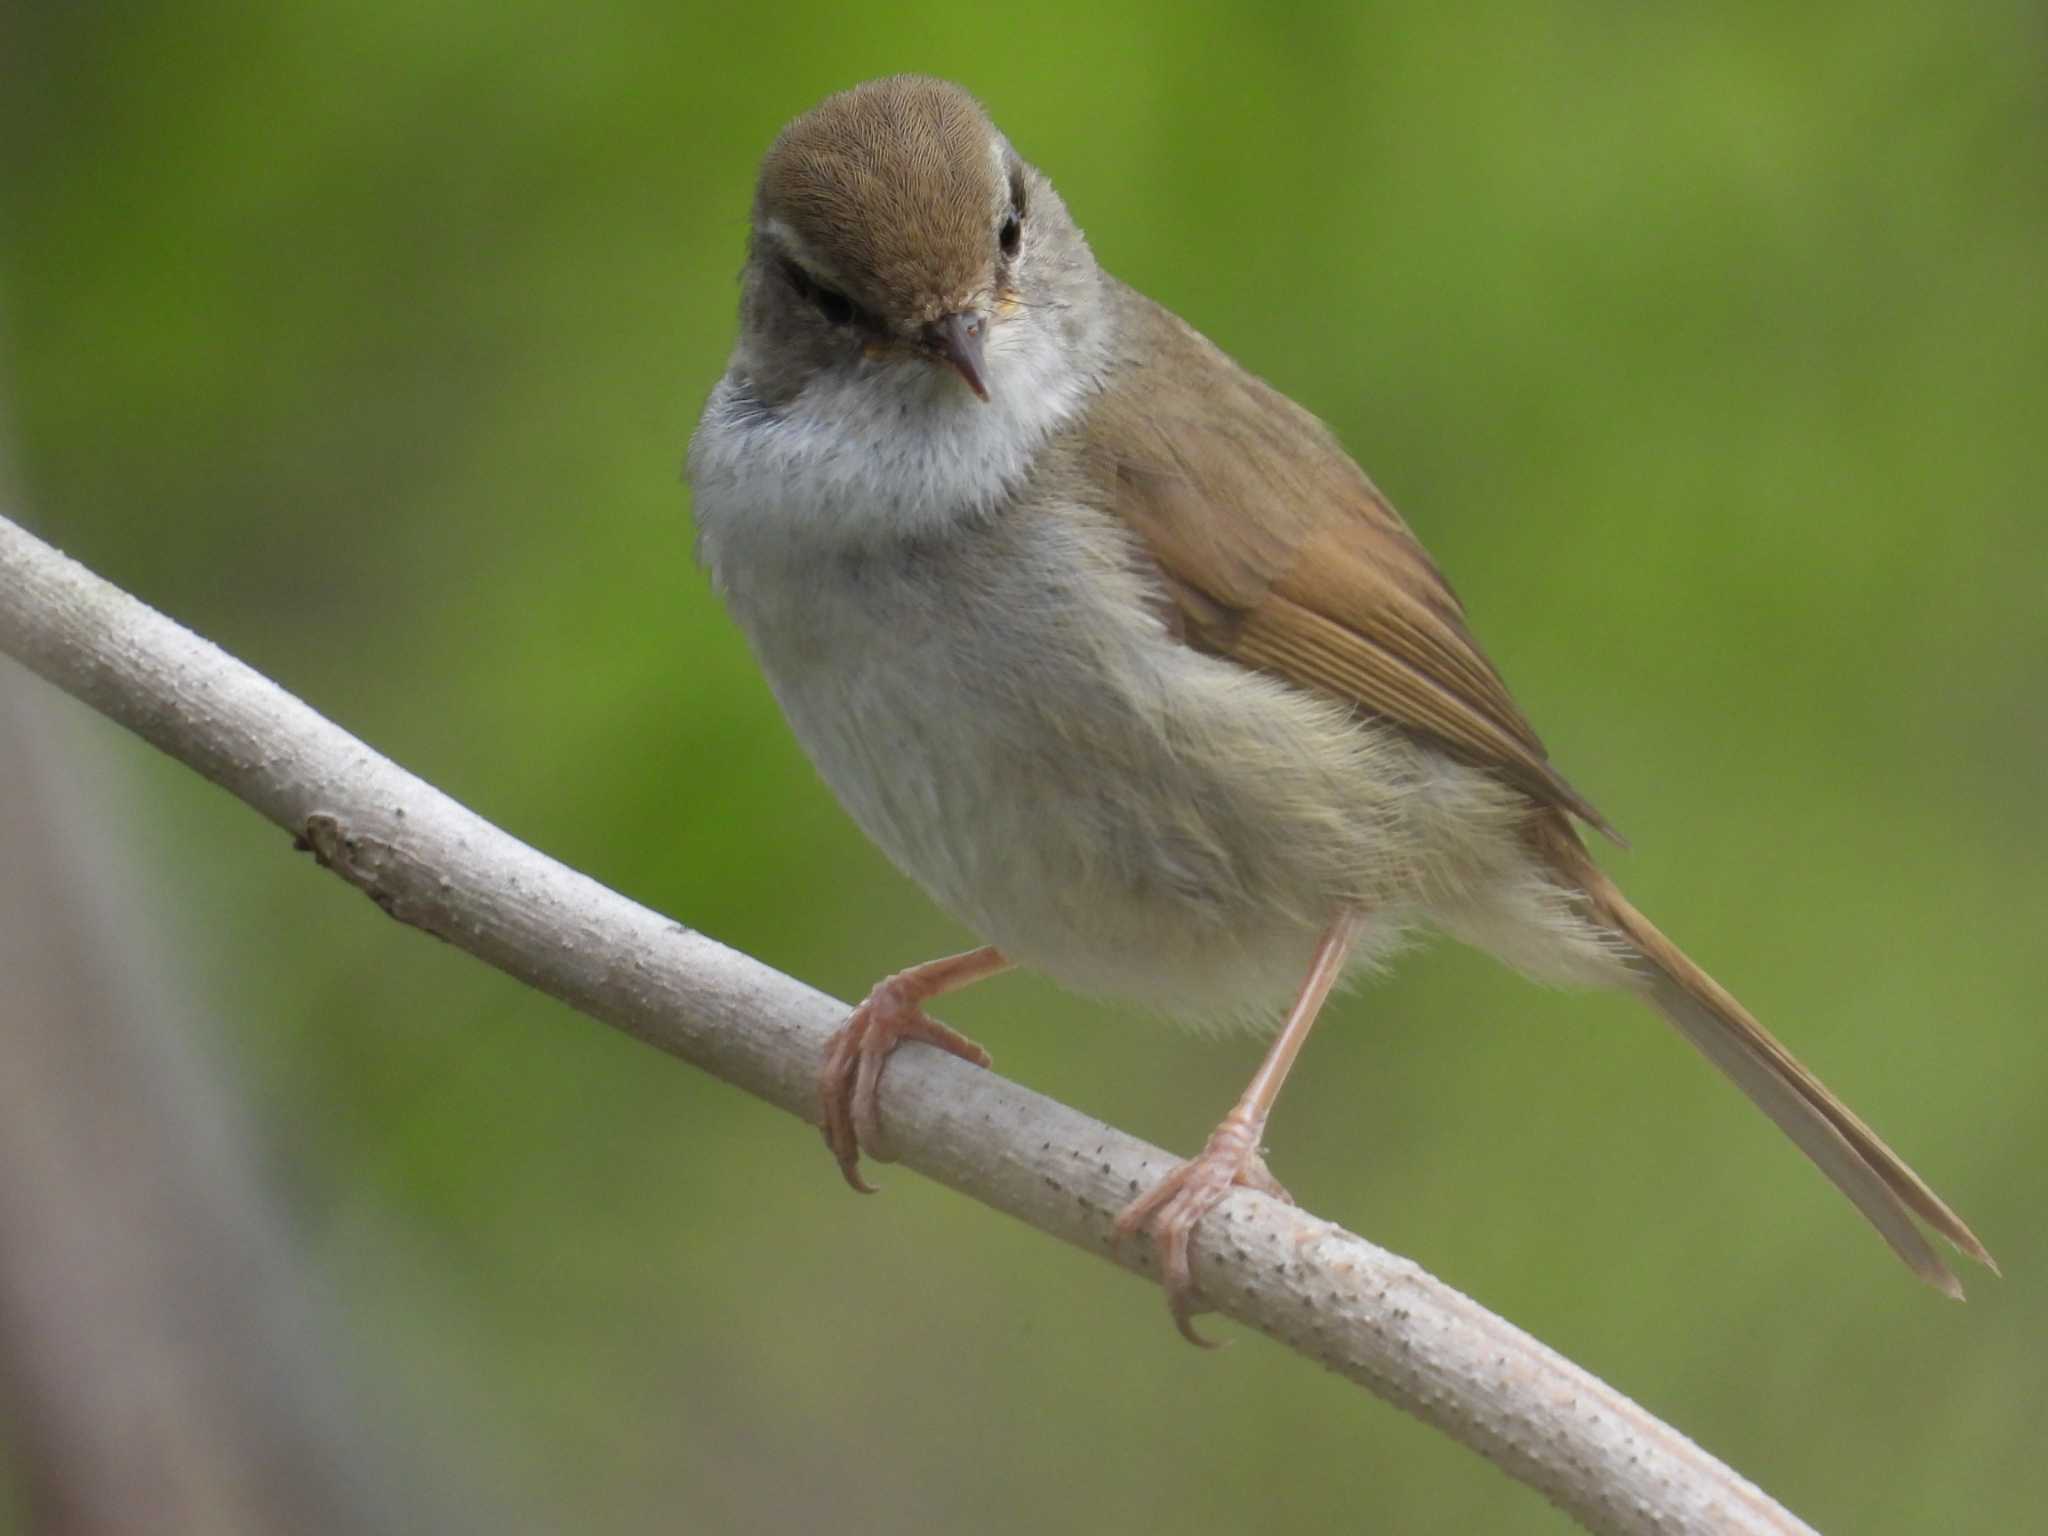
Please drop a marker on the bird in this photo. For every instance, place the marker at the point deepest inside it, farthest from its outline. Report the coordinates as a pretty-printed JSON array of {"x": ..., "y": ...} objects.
[{"x": 1112, "y": 648}]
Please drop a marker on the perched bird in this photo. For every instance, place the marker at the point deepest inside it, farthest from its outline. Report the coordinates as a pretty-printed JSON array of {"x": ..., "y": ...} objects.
[{"x": 1113, "y": 649}]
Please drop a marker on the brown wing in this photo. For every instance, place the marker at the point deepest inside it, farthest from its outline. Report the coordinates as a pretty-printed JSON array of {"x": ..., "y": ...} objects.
[{"x": 1279, "y": 553}]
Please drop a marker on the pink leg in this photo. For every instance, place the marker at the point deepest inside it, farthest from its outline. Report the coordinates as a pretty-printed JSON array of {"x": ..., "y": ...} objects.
[
  {"x": 1169, "y": 1211},
  {"x": 894, "y": 1012}
]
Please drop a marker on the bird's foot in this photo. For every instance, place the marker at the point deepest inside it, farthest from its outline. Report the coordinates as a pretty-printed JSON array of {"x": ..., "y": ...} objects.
[
  {"x": 849, "y": 1081},
  {"x": 1170, "y": 1210}
]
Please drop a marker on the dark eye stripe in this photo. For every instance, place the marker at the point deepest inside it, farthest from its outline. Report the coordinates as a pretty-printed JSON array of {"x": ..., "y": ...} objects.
[
  {"x": 1011, "y": 233},
  {"x": 836, "y": 307}
]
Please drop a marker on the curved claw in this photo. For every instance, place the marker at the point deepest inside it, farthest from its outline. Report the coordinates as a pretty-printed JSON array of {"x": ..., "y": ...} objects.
[
  {"x": 850, "y": 1077},
  {"x": 1170, "y": 1211},
  {"x": 835, "y": 1110}
]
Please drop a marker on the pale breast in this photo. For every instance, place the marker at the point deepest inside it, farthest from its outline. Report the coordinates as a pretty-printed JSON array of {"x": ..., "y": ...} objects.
[
  {"x": 1004, "y": 712},
  {"x": 977, "y": 659}
]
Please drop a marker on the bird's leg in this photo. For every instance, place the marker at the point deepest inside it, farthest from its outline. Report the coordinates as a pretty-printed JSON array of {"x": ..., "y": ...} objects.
[
  {"x": 1169, "y": 1211},
  {"x": 893, "y": 1012}
]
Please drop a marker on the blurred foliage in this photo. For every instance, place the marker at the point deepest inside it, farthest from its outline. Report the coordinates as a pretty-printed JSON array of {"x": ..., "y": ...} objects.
[{"x": 1707, "y": 349}]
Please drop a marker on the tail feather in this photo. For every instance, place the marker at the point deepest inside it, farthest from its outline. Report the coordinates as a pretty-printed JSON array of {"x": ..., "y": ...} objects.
[{"x": 1854, "y": 1158}]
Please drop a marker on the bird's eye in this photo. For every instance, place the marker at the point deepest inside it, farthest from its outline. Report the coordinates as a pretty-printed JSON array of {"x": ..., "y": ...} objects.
[
  {"x": 836, "y": 307},
  {"x": 1011, "y": 233}
]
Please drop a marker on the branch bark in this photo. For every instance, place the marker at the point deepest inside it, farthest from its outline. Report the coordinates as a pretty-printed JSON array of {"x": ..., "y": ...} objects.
[{"x": 1367, "y": 1314}]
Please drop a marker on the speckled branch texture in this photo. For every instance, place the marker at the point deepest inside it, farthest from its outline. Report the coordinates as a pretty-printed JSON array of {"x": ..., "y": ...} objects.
[{"x": 427, "y": 861}]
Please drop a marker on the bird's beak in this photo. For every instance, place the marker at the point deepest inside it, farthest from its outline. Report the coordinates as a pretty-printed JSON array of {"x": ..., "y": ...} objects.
[{"x": 956, "y": 340}]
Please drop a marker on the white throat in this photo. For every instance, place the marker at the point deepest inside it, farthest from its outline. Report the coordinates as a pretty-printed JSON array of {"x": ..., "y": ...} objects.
[{"x": 883, "y": 450}]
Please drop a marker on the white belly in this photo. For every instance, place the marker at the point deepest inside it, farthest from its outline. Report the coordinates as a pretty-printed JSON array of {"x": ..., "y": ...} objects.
[
  {"x": 1012, "y": 724},
  {"x": 997, "y": 702}
]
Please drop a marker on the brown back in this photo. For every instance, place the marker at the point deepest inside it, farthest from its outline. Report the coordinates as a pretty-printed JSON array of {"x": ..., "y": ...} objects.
[{"x": 1281, "y": 554}]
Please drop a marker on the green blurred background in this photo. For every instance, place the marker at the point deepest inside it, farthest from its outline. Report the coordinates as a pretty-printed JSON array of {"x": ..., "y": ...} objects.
[{"x": 1708, "y": 353}]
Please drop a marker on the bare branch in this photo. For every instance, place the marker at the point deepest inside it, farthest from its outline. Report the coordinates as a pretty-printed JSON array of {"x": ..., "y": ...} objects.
[{"x": 1365, "y": 1313}]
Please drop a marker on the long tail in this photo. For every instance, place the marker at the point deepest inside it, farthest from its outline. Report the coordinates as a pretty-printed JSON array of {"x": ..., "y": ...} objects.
[{"x": 1862, "y": 1167}]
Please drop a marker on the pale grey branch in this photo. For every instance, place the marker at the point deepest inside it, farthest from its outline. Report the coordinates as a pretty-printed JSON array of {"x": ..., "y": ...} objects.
[{"x": 1368, "y": 1314}]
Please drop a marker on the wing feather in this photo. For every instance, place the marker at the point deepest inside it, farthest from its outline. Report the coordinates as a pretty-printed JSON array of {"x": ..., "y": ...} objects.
[{"x": 1278, "y": 552}]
